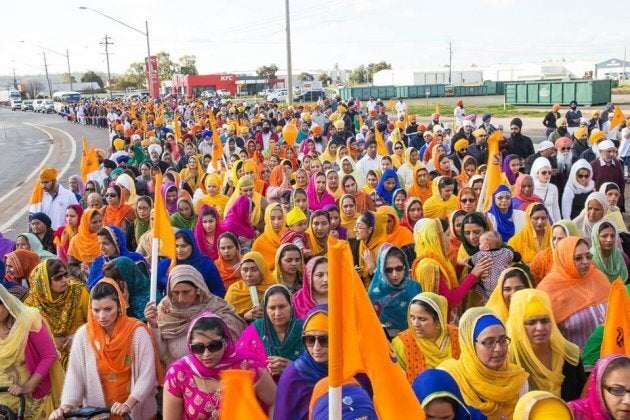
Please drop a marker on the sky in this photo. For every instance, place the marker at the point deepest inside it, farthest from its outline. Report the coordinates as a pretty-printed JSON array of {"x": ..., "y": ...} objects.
[{"x": 241, "y": 35}]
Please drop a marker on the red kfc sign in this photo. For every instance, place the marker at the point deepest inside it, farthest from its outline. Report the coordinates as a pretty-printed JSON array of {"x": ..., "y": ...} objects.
[{"x": 151, "y": 73}]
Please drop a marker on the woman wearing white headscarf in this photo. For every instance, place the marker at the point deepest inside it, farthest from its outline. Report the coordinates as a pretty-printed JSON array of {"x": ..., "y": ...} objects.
[
  {"x": 579, "y": 185},
  {"x": 543, "y": 188},
  {"x": 595, "y": 210}
]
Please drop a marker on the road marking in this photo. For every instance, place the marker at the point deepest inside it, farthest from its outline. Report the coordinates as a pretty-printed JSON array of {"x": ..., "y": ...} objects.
[
  {"x": 36, "y": 171},
  {"x": 69, "y": 162}
]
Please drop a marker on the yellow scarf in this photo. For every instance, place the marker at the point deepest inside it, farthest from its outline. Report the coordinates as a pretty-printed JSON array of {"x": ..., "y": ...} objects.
[
  {"x": 435, "y": 206},
  {"x": 494, "y": 392},
  {"x": 269, "y": 241},
  {"x": 440, "y": 350},
  {"x": 525, "y": 304},
  {"x": 525, "y": 241},
  {"x": 238, "y": 293},
  {"x": 431, "y": 251}
]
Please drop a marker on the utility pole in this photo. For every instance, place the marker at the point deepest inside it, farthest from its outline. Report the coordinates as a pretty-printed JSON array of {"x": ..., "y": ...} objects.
[
  {"x": 624, "y": 63},
  {"x": 14, "y": 79},
  {"x": 289, "y": 66},
  {"x": 109, "y": 76},
  {"x": 69, "y": 72},
  {"x": 450, "y": 60},
  {"x": 47, "y": 77}
]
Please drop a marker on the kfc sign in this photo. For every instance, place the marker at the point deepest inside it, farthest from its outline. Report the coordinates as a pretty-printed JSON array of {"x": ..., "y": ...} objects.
[
  {"x": 152, "y": 76},
  {"x": 228, "y": 78}
]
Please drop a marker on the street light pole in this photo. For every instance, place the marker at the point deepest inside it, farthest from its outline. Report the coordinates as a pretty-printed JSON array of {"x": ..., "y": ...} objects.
[
  {"x": 289, "y": 65},
  {"x": 67, "y": 55},
  {"x": 69, "y": 72}
]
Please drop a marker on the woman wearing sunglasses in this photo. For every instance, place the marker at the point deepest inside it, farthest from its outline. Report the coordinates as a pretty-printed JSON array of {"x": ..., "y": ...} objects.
[
  {"x": 192, "y": 384},
  {"x": 541, "y": 172},
  {"x": 299, "y": 378},
  {"x": 392, "y": 288},
  {"x": 579, "y": 185}
]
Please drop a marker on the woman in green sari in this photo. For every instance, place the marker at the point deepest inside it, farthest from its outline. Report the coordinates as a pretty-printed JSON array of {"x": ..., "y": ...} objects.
[
  {"x": 133, "y": 283},
  {"x": 276, "y": 338},
  {"x": 184, "y": 217}
]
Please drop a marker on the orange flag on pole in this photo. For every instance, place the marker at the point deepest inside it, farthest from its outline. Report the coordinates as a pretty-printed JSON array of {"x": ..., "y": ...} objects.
[
  {"x": 89, "y": 160},
  {"x": 493, "y": 173},
  {"x": 617, "y": 325},
  {"x": 380, "y": 142},
  {"x": 217, "y": 146},
  {"x": 177, "y": 127},
  {"x": 617, "y": 118},
  {"x": 358, "y": 342},
  {"x": 162, "y": 229},
  {"x": 239, "y": 400}
]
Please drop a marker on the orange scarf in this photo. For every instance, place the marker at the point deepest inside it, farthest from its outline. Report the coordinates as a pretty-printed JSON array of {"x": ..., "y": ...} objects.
[
  {"x": 114, "y": 216},
  {"x": 114, "y": 356},
  {"x": 422, "y": 193},
  {"x": 269, "y": 241},
  {"x": 84, "y": 245},
  {"x": 399, "y": 236}
]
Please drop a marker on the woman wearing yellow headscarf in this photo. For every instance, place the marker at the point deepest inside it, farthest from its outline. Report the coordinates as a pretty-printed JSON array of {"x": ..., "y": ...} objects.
[
  {"x": 511, "y": 280},
  {"x": 269, "y": 241},
  {"x": 434, "y": 271},
  {"x": 488, "y": 381},
  {"x": 442, "y": 201},
  {"x": 245, "y": 186},
  {"x": 213, "y": 196},
  {"x": 369, "y": 230},
  {"x": 28, "y": 358},
  {"x": 426, "y": 344},
  {"x": 535, "y": 235},
  {"x": 398, "y": 157},
  {"x": 192, "y": 173},
  {"x": 348, "y": 214},
  {"x": 254, "y": 273},
  {"x": 251, "y": 168},
  {"x": 542, "y": 405},
  {"x": 553, "y": 362}
]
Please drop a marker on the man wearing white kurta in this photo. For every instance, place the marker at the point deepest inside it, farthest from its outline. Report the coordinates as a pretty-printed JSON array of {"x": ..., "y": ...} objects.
[{"x": 54, "y": 199}]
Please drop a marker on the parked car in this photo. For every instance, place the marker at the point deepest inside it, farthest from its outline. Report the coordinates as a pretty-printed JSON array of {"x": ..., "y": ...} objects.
[
  {"x": 27, "y": 105},
  {"x": 263, "y": 93},
  {"x": 310, "y": 96},
  {"x": 208, "y": 94},
  {"x": 277, "y": 96},
  {"x": 47, "y": 106},
  {"x": 16, "y": 104},
  {"x": 222, "y": 93},
  {"x": 37, "y": 104}
]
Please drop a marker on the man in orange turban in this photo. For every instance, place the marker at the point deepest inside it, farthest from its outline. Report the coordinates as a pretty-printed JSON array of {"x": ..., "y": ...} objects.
[{"x": 51, "y": 198}]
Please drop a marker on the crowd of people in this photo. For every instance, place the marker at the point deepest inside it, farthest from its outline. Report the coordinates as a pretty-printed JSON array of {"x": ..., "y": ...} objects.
[{"x": 494, "y": 308}]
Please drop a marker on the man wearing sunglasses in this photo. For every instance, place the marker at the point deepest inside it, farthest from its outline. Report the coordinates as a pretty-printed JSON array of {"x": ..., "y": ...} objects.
[
  {"x": 564, "y": 160},
  {"x": 546, "y": 149},
  {"x": 607, "y": 168},
  {"x": 461, "y": 151}
]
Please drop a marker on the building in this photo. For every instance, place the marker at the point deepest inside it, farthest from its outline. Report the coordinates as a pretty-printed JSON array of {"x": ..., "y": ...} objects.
[
  {"x": 192, "y": 85},
  {"x": 613, "y": 69},
  {"x": 539, "y": 71},
  {"x": 76, "y": 86},
  {"x": 427, "y": 77}
]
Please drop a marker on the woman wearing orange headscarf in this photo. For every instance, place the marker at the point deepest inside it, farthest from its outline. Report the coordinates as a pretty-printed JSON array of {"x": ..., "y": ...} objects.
[
  {"x": 229, "y": 260},
  {"x": 422, "y": 188},
  {"x": 112, "y": 362},
  {"x": 370, "y": 233},
  {"x": 117, "y": 212},
  {"x": 84, "y": 245},
  {"x": 279, "y": 182},
  {"x": 269, "y": 241},
  {"x": 395, "y": 234},
  {"x": 469, "y": 168},
  {"x": 578, "y": 291},
  {"x": 443, "y": 165},
  {"x": 250, "y": 168},
  {"x": 363, "y": 201}
]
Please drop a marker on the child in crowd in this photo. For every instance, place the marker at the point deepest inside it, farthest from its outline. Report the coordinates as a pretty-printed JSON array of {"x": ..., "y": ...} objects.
[
  {"x": 295, "y": 232},
  {"x": 491, "y": 245}
]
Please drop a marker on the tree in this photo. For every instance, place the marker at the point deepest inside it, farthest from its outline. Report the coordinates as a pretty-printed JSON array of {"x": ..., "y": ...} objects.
[
  {"x": 33, "y": 88},
  {"x": 65, "y": 78},
  {"x": 267, "y": 72},
  {"x": 133, "y": 78},
  {"x": 358, "y": 75},
  {"x": 166, "y": 67},
  {"x": 305, "y": 77},
  {"x": 376, "y": 67},
  {"x": 187, "y": 64},
  {"x": 325, "y": 79},
  {"x": 92, "y": 76}
]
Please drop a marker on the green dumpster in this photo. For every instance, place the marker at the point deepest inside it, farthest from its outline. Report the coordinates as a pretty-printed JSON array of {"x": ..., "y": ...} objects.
[{"x": 544, "y": 92}]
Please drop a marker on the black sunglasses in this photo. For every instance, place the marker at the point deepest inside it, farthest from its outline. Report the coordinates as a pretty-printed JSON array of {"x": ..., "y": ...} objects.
[
  {"x": 310, "y": 340},
  {"x": 111, "y": 195},
  {"x": 212, "y": 347},
  {"x": 398, "y": 268}
]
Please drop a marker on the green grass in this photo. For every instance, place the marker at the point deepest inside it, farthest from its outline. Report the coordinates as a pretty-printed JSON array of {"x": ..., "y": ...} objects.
[{"x": 495, "y": 110}]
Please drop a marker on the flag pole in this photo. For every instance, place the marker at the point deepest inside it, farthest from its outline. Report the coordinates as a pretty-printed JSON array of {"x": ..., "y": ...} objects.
[
  {"x": 334, "y": 402},
  {"x": 155, "y": 247},
  {"x": 335, "y": 333}
]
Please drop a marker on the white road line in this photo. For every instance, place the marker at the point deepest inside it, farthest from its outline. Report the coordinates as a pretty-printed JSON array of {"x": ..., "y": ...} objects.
[
  {"x": 36, "y": 171},
  {"x": 73, "y": 155}
]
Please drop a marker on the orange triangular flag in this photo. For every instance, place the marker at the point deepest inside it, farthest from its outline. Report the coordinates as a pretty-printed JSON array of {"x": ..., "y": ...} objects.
[
  {"x": 177, "y": 128},
  {"x": 617, "y": 325},
  {"x": 617, "y": 118},
  {"x": 238, "y": 400},
  {"x": 162, "y": 224},
  {"x": 358, "y": 342},
  {"x": 380, "y": 142},
  {"x": 493, "y": 173},
  {"x": 84, "y": 153},
  {"x": 217, "y": 146}
]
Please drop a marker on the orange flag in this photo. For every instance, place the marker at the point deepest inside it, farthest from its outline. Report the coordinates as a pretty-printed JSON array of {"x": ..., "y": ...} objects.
[
  {"x": 162, "y": 224},
  {"x": 617, "y": 324},
  {"x": 493, "y": 173},
  {"x": 239, "y": 400},
  {"x": 89, "y": 160},
  {"x": 217, "y": 149},
  {"x": 617, "y": 118},
  {"x": 177, "y": 128},
  {"x": 380, "y": 142},
  {"x": 358, "y": 342}
]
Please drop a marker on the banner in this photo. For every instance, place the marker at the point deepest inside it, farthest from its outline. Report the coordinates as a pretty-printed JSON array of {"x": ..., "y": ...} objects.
[{"x": 152, "y": 76}]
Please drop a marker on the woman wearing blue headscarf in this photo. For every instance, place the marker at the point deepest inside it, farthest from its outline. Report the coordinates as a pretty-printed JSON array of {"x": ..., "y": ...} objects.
[
  {"x": 384, "y": 191},
  {"x": 188, "y": 253},
  {"x": 502, "y": 216},
  {"x": 392, "y": 288},
  {"x": 436, "y": 389},
  {"x": 113, "y": 243}
]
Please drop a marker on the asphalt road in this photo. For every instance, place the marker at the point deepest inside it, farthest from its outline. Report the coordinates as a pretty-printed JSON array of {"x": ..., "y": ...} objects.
[{"x": 28, "y": 142}]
